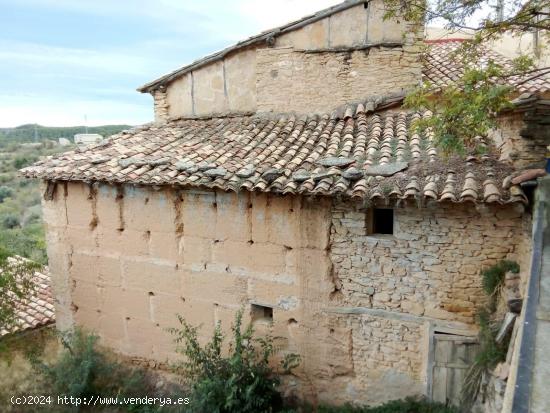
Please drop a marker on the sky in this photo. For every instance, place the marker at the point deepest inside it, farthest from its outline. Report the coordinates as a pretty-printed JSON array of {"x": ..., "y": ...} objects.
[{"x": 71, "y": 62}]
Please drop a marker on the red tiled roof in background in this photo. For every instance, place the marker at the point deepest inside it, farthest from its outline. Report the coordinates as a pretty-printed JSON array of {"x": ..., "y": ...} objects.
[
  {"x": 441, "y": 68},
  {"x": 37, "y": 310}
]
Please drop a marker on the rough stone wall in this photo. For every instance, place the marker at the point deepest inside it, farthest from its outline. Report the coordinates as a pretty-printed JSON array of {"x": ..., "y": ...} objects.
[
  {"x": 431, "y": 265},
  {"x": 237, "y": 84},
  {"x": 358, "y": 309},
  {"x": 520, "y": 143},
  {"x": 162, "y": 105},
  {"x": 319, "y": 82},
  {"x": 389, "y": 359}
]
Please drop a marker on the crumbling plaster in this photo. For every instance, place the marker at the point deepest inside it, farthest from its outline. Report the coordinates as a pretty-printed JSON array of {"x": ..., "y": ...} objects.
[{"x": 358, "y": 309}]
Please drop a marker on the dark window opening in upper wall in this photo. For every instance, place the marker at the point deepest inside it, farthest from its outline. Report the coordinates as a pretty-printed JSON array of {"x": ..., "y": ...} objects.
[{"x": 381, "y": 221}]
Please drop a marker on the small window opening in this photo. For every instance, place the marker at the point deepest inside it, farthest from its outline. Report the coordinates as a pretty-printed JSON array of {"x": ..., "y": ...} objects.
[
  {"x": 261, "y": 313},
  {"x": 380, "y": 221}
]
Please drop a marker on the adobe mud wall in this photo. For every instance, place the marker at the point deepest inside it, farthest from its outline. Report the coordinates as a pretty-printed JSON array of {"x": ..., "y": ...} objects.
[
  {"x": 243, "y": 81},
  {"x": 359, "y": 309}
]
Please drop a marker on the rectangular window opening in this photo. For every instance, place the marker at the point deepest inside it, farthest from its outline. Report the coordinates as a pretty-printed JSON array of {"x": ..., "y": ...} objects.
[
  {"x": 261, "y": 313},
  {"x": 380, "y": 221}
]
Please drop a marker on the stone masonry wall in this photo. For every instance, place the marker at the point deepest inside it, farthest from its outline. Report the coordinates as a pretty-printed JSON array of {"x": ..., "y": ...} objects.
[
  {"x": 319, "y": 82},
  {"x": 520, "y": 142},
  {"x": 358, "y": 309},
  {"x": 431, "y": 265}
]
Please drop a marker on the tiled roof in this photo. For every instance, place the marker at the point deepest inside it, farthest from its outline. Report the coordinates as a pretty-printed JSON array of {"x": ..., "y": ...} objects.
[
  {"x": 36, "y": 310},
  {"x": 357, "y": 153},
  {"x": 442, "y": 69}
]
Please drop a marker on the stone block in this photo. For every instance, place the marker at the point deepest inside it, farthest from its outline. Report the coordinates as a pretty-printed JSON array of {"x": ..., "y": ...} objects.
[
  {"x": 101, "y": 270},
  {"x": 219, "y": 288},
  {"x": 273, "y": 294},
  {"x": 233, "y": 217},
  {"x": 258, "y": 217},
  {"x": 166, "y": 307},
  {"x": 141, "y": 210},
  {"x": 112, "y": 327},
  {"x": 85, "y": 294},
  {"x": 128, "y": 242},
  {"x": 126, "y": 302},
  {"x": 199, "y": 214},
  {"x": 54, "y": 212},
  {"x": 267, "y": 258},
  {"x": 81, "y": 238},
  {"x": 166, "y": 246},
  {"x": 107, "y": 207},
  {"x": 197, "y": 251},
  {"x": 284, "y": 221},
  {"x": 151, "y": 276},
  {"x": 236, "y": 255},
  {"x": 140, "y": 337},
  {"x": 88, "y": 318},
  {"x": 79, "y": 207}
]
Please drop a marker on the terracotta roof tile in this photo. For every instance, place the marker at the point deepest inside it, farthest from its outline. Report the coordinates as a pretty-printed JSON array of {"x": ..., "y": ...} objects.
[
  {"x": 363, "y": 154},
  {"x": 441, "y": 68},
  {"x": 37, "y": 309}
]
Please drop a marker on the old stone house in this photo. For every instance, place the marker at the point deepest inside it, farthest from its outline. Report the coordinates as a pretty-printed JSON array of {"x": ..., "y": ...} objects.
[{"x": 280, "y": 175}]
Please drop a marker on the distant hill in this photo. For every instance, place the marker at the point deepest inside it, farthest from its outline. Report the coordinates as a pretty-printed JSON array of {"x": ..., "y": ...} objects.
[{"x": 26, "y": 133}]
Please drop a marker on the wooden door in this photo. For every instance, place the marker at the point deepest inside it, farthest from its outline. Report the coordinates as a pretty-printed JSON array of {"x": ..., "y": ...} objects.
[{"x": 452, "y": 356}]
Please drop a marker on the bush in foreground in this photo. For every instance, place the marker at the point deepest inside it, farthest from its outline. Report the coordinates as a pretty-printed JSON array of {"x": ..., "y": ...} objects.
[
  {"x": 84, "y": 371},
  {"x": 242, "y": 381}
]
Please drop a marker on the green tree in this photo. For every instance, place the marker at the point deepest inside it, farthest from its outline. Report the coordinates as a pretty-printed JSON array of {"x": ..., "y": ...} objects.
[{"x": 467, "y": 110}]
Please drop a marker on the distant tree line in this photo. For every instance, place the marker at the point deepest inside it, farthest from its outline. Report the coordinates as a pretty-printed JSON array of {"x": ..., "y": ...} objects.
[{"x": 28, "y": 132}]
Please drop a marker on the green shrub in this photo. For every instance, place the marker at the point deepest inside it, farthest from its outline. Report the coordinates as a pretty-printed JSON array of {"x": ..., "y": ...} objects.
[
  {"x": 10, "y": 221},
  {"x": 490, "y": 352},
  {"x": 408, "y": 405},
  {"x": 82, "y": 370},
  {"x": 22, "y": 161},
  {"x": 493, "y": 277},
  {"x": 5, "y": 192},
  {"x": 27, "y": 242},
  {"x": 242, "y": 382}
]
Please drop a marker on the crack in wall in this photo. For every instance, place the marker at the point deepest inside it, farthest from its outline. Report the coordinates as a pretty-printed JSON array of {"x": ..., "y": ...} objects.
[
  {"x": 178, "y": 221},
  {"x": 92, "y": 196},
  {"x": 120, "y": 203}
]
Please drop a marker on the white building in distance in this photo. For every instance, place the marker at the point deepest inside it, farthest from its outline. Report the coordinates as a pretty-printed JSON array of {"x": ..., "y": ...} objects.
[{"x": 87, "y": 138}]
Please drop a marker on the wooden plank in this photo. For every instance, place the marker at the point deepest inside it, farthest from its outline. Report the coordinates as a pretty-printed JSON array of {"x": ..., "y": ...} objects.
[
  {"x": 455, "y": 378},
  {"x": 449, "y": 337},
  {"x": 442, "y": 351},
  {"x": 453, "y": 355},
  {"x": 439, "y": 389}
]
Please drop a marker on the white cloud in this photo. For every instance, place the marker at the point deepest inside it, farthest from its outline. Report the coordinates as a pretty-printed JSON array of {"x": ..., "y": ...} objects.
[{"x": 33, "y": 55}]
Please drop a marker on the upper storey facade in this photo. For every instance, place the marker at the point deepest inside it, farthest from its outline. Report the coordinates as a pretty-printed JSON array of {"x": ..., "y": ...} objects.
[{"x": 336, "y": 56}]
